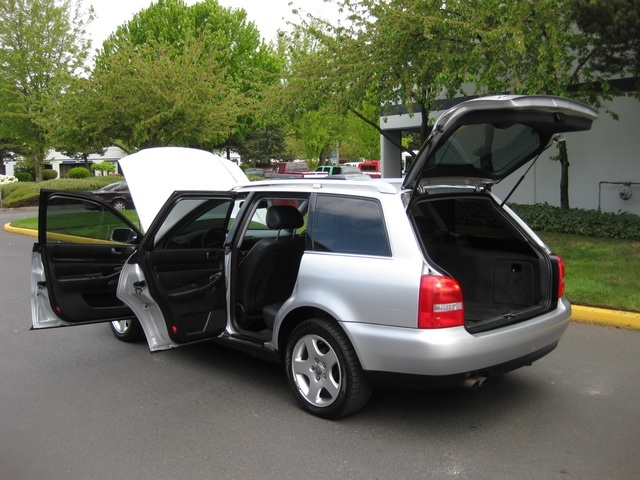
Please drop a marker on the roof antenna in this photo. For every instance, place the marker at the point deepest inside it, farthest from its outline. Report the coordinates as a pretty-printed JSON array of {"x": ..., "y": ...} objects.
[{"x": 556, "y": 139}]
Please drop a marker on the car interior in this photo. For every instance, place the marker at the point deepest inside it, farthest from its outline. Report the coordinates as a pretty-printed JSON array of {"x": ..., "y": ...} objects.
[{"x": 266, "y": 262}]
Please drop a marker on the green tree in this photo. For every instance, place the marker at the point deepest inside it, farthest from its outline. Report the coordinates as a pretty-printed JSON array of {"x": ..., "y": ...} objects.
[
  {"x": 306, "y": 101},
  {"x": 613, "y": 28},
  {"x": 69, "y": 120},
  {"x": 415, "y": 52},
  {"x": 383, "y": 55},
  {"x": 264, "y": 144},
  {"x": 181, "y": 75},
  {"x": 103, "y": 167},
  {"x": 358, "y": 139},
  {"x": 146, "y": 96},
  {"x": 531, "y": 47},
  {"x": 41, "y": 42}
]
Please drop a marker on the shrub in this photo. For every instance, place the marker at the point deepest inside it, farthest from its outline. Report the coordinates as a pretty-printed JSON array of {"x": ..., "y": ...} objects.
[
  {"x": 103, "y": 167},
  {"x": 24, "y": 177},
  {"x": 79, "y": 172},
  {"x": 591, "y": 223},
  {"x": 49, "y": 174}
]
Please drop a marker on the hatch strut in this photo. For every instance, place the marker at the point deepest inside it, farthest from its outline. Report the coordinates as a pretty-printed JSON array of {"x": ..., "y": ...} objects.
[{"x": 554, "y": 140}]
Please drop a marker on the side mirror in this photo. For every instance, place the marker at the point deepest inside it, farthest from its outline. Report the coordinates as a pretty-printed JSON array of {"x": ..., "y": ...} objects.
[{"x": 123, "y": 235}]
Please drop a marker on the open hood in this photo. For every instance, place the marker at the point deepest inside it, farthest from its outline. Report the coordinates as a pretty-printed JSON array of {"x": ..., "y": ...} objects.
[
  {"x": 482, "y": 141},
  {"x": 155, "y": 173}
]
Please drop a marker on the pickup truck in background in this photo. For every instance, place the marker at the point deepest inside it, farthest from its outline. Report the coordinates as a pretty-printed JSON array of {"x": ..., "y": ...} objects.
[
  {"x": 293, "y": 170},
  {"x": 371, "y": 168}
]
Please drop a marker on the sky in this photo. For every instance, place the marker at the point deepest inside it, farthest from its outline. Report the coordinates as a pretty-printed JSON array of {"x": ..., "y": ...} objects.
[{"x": 268, "y": 15}]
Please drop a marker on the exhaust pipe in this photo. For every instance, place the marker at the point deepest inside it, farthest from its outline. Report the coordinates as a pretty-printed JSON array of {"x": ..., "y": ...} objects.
[{"x": 474, "y": 382}]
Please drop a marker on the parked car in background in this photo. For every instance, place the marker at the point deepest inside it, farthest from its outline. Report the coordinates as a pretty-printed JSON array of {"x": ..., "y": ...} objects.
[
  {"x": 116, "y": 194},
  {"x": 337, "y": 169},
  {"x": 292, "y": 170},
  {"x": 425, "y": 281},
  {"x": 255, "y": 172},
  {"x": 359, "y": 177}
]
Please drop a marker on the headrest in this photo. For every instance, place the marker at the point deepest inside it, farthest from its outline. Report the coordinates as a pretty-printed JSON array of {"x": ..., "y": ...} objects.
[{"x": 284, "y": 216}]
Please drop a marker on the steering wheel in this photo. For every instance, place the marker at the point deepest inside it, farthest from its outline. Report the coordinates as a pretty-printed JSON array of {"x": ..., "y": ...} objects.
[{"x": 213, "y": 238}]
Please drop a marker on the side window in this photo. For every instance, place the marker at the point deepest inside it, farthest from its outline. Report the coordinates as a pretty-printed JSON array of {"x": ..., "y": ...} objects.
[
  {"x": 259, "y": 218},
  {"x": 82, "y": 221},
  {"x": 196, "y": 223},
  {"x": 349, "y": 225}
]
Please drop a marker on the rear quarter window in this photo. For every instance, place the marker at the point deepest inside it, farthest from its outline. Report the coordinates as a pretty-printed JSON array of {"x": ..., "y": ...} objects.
[{"x": 350, "y": 225}]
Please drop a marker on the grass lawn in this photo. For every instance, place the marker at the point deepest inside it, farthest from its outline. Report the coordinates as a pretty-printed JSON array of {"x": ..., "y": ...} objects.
[
  {"x": 601, "y": 272},
  {"x": 32, "y": 222}
]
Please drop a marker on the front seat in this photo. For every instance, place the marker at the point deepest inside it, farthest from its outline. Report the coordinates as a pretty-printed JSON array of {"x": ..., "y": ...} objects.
[{"x": 267, "y": 274}]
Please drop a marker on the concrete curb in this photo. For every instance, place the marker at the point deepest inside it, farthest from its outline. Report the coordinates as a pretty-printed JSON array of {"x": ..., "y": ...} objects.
[
  {"x": 610, "y": 318},
  {"x": 21, "y": 231},
  {"x": 598, "y": 316}
]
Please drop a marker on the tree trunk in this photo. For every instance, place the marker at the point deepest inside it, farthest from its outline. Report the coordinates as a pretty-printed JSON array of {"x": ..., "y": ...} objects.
[
  {"x": 425, "y": 128},
  {"x": 38, "y": 161},
  {"x": 564, "y": 176}
]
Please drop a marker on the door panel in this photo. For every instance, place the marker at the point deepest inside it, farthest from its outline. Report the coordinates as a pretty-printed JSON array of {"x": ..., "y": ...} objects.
[
  {"x": 182, "y": 261},
  {"x": 190, "y": 288},
  {"x": 82, "y": 246},
  {"x": 82, "y": 281}
]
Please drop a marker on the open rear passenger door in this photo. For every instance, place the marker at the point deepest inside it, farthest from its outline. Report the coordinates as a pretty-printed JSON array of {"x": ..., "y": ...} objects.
[{"x": 175, "y": 282}]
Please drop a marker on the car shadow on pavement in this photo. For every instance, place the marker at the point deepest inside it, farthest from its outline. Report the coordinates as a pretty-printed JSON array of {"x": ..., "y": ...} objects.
[
  {"x": 459, "y": 408},
  {"x": 452, "y": 408}
]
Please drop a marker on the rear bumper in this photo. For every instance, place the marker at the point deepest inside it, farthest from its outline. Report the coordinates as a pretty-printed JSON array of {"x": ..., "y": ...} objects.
[
  {"x": 419, "y": 382},
  {"x": 453, "y": 352}
]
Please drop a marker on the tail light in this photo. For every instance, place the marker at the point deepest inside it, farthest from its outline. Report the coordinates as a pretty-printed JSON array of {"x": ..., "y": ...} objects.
[
  {"x": 561, "y": 271},
  {"x": 440, "y": 304}
]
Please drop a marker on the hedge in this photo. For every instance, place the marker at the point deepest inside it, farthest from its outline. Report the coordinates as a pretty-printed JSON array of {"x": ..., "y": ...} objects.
[
  {"x": 26, "y": 194},
  {"x": 590, "y": 223}
]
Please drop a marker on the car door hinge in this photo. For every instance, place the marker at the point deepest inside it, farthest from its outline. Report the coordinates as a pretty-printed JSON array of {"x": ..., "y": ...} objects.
[
  {"x": 139, "y": 286},
  {"x": 42, "y": 284}
]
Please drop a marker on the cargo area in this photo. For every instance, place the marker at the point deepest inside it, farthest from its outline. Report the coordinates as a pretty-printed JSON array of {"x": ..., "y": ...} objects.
[{"x": 504, "y": 277}]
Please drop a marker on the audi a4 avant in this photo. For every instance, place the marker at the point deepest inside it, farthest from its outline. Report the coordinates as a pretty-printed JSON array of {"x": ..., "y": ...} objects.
[{"x": 425, "y": 281}]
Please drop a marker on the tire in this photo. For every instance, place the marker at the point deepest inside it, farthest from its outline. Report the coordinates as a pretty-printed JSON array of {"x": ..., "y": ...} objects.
[
  {"x": 119, "y": 205},
  {"x": 127, "y": 330},
  {"x": 323, "y": 370}
]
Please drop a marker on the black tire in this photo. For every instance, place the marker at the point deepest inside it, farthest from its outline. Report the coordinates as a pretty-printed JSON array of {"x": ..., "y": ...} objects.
[
  {"x": 119, "y": 204},
  {"x": 323, "y": 370},
  {"x": 127, "y": 330}
]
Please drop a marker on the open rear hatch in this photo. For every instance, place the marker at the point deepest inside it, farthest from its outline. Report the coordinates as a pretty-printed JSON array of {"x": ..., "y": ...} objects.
[
  {"x": 506, "y": 276},
  {"x": 482, "y": 141}
]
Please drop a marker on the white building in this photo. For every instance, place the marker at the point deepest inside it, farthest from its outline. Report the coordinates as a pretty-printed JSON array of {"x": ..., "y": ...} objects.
[{"x": 62, "y": 164}]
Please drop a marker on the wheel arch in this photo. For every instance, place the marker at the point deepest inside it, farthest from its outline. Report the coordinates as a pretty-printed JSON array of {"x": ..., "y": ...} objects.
[{"x": 295, "y": 318}]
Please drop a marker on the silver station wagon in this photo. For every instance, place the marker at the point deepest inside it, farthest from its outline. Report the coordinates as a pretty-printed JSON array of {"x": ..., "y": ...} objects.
[{"x": 418, "y": 282}]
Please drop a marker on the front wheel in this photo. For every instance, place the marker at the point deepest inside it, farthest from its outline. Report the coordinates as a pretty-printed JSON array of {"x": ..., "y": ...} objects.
[
  {"x": 128, "y": 330},
  {"x": 323, "y": 370}
]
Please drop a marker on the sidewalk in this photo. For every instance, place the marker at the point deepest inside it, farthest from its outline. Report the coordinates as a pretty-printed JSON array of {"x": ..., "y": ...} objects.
[{"x": 597, "y": 316}]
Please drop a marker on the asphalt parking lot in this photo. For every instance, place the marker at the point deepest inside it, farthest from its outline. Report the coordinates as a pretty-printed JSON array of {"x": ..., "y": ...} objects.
[{"x": 76, "y": 403}]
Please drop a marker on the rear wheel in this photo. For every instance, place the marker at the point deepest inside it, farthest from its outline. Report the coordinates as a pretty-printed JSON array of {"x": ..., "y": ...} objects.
[
  {"x": 323, "y": 370},
  {"x": 128, "y": 330}
]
